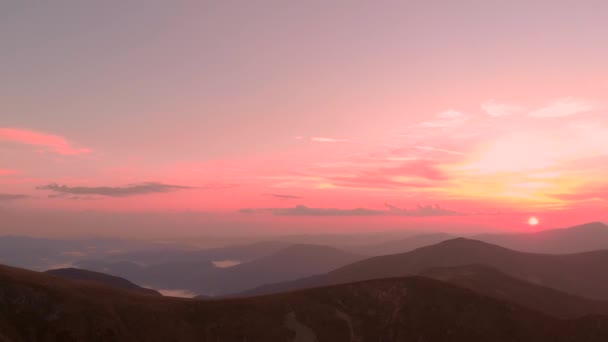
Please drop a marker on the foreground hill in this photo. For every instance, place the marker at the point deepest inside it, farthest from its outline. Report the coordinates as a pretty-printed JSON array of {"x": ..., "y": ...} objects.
[
  {"x": 587, "y": 237},
  {"x": 493, "y": 283},
  {"x": 106, "y": 279},
  {"x": 582, "y": 274},
  {"x": 39, "y": 307}
]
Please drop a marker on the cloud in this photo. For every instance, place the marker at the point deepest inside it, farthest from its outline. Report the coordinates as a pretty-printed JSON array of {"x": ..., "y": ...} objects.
[
  {"x": 435, "y": 149},
  {"x": 409, "y": 174},
  {"x": 448, "y": 118},
  {"x": 373, "y": 182},
  {"x": 495, "y": 109},
  {"x": 281, "y": 196},
  {"x": 129, "y": 190},
  {"x": 12, "y": 197},
  {"x": 564, "y": 107},
  {"x": 4, "y": 172},
  {"x": 328, "y": 140},
  {"x": 422, "y": 211},
  {"x": 589, "y": 194},
  {"x": 302, "y": 210},
  {"x": 48, "y": 142}
]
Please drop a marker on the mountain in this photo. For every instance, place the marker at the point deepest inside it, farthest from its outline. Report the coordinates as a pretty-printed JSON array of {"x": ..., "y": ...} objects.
[
  {"x": 202, "y": 277},
  {"x": 582, "y": 274},
  {"x": 106, "y": 279},
  {"x": 404, "y": 245},
  {"x": 39, "y": 307},
  {"x": 290, "y": 263},
  {"x": 42, "y": 253},
  {"x": 493, "y": 283},
  {"x": 587, "y": 237},
  {"x": 240, "y": 252}
]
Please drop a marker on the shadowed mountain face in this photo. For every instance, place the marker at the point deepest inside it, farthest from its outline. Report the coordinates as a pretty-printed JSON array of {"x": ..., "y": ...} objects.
[
  {"x": 36, "y": 306},
  {"x": 579, "y": 274},
  {"x": 106, "y": 279},
  {"x": 493, "y": 283},
  {"x": 588, "y": 237}
]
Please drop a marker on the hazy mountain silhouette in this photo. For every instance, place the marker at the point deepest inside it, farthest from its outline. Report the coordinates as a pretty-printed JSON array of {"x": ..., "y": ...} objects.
[
  {"x": 106, "y": 279},
  {"x": 240, "y": 252},
  {"x": 587, "y": 237},
  {"x": 491, "y": 282},
  {"x": 202, "y": 277},
  {"x": 287, "y": 264},
  {"x": 404, "y": 244},
  {"x": 40, "y": 307},
  {"x": 42, "y": 253},
  {"x": 582, "y": 274}
]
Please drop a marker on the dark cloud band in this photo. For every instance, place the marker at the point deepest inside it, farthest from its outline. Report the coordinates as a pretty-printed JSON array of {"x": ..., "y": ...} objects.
[{"x": 129, "y": 190}]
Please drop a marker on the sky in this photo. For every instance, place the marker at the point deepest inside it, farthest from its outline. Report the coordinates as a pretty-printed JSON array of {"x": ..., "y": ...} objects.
[{"x": 321, "y": 115}]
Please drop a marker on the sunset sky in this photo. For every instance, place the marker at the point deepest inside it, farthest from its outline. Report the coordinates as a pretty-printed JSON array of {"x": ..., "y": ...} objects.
[{"x": 285, "y": 112}]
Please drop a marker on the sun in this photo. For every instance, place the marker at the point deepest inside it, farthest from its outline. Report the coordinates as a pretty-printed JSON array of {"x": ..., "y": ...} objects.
[{"x": 533, "y": 221}]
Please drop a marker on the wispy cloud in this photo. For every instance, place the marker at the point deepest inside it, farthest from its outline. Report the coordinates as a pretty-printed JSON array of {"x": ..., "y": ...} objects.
[
  {"x": 328, "y": 140},
  {"x": 373, "y": 182},
  {"x": 125, "y": 191},
  {"x": 302, "y": 210},
  {"x": 418, "y": 173},
  {"x": 282, "y": 196},
  {"x": 435, "y": 149},
  {"x": 422, "y": 211},
  {"x": 4, "y": 172},
  {"x": 496, "y": 109},
  {"x": 564, "y": 107},
  {"x": 12, "y": 197},
  {"x": 48, "y": 142},
  {"x": 598, "y": 193},
  {"x": 448, "y": 118}
]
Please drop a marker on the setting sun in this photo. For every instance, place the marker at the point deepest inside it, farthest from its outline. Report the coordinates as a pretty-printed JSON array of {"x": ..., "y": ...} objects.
[{"x": 533, "y": 221}]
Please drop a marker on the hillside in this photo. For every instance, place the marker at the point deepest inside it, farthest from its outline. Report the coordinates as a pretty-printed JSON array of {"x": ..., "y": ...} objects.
[
  {"x": 102, "y": 278},
  {"x": 493, "y": 283},
  {"x": 40, "y": 307}
]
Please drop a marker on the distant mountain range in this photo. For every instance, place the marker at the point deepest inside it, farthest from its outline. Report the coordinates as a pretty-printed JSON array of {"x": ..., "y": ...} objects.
[
  {"x": 178, "y": 267},
  {"x": 403, "y": 244},
  {"x": 587, "y": 237},
  {"x": 41, "y": 307},
  {"x": 583, "y": 238},
  {"x": 202, "y": 277},
  {"x": 582, "y": 274}
]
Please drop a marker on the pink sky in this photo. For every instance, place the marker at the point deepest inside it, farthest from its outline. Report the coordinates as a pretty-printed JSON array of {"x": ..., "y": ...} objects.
[{"x": 300, "y": 113}]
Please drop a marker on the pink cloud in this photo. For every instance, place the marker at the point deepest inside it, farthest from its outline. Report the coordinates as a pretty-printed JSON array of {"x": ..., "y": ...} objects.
[
  {"x": 49, "y": 142},
  {"x": 373, "y": 182},
  {"x": 435, "y": 149},
  {"x": 4, "y": 172},
  {"x": 586, "y": 194},
  {"x": 564, "y": 107},
  {"x": 329, "y": 140}
]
